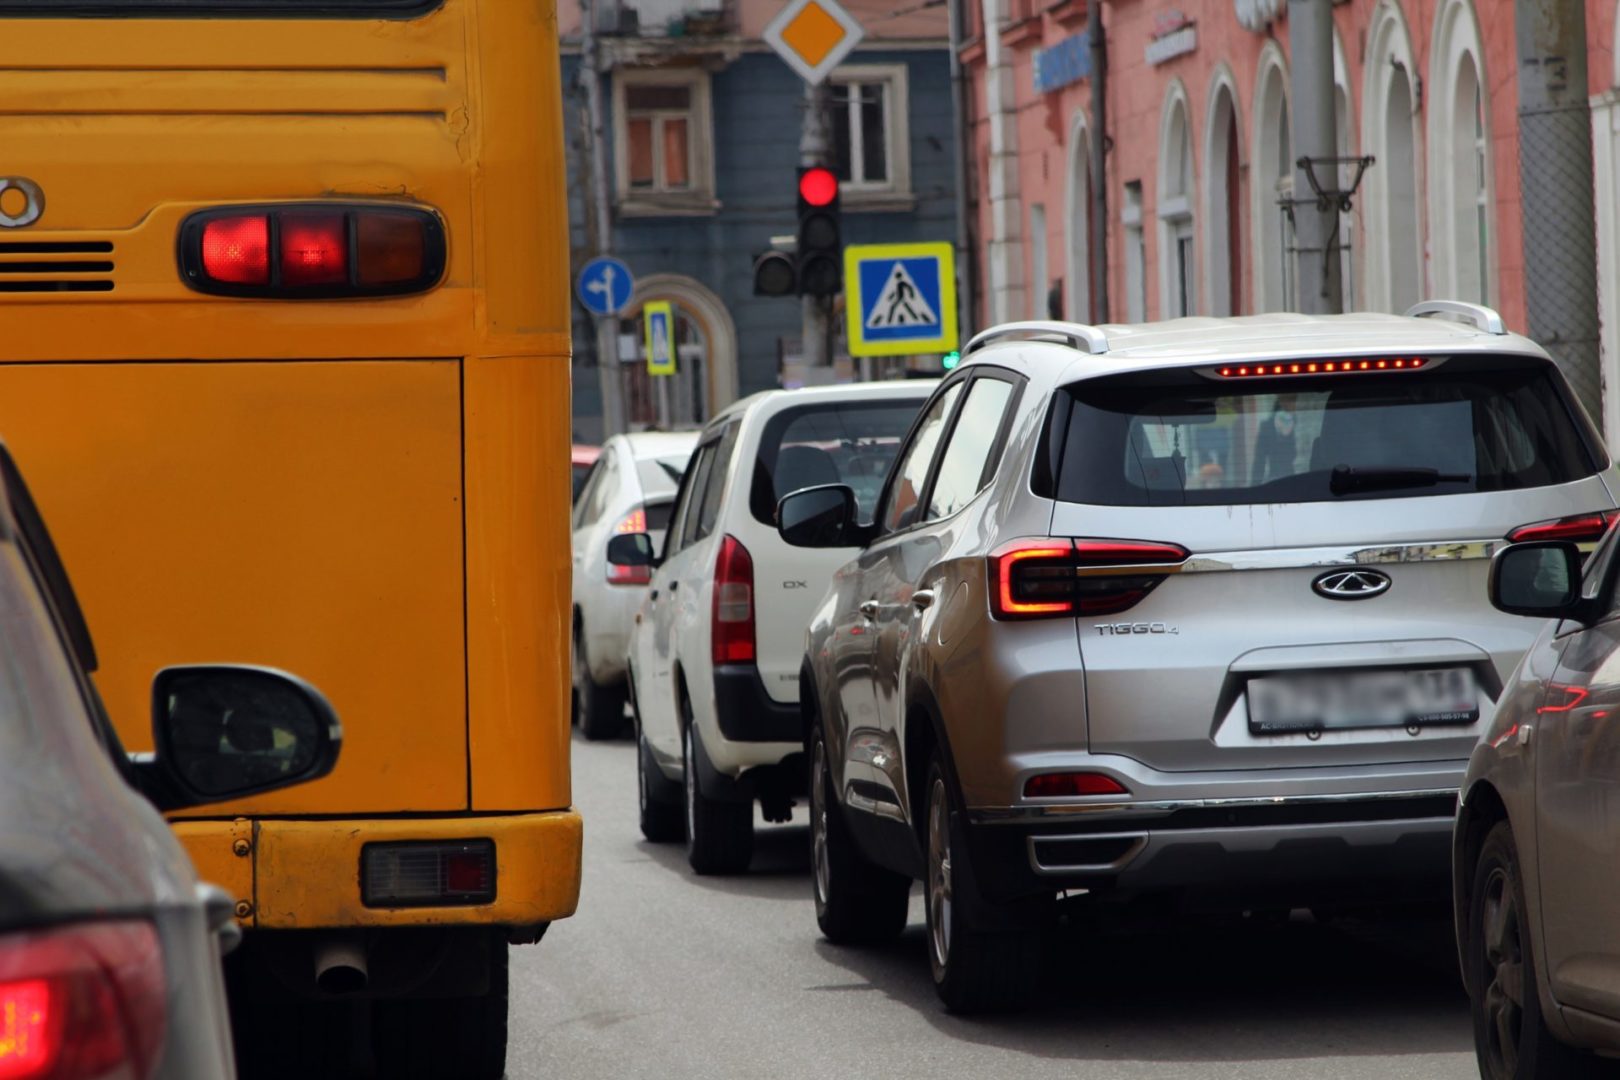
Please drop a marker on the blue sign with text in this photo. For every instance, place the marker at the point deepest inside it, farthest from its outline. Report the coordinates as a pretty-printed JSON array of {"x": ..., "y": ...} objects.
[{"x": 1067, "y": 62}]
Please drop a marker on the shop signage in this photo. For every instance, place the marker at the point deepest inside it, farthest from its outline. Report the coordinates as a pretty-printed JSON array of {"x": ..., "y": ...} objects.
[
  {"x": 1063, "y": 64},
  {"x": 1173, "y": 35}
]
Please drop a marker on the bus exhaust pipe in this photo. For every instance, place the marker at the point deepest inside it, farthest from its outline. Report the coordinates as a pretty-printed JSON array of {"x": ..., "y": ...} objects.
[{"x": 340, "y": 965}]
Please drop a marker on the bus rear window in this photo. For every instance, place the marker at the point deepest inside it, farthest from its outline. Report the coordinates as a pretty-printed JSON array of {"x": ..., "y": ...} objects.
[
  {"x": 296, "y": 9},
  {"x": 1175, "y": 438}
]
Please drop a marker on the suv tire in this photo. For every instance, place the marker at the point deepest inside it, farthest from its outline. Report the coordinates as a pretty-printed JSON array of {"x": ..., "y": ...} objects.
[
  {"x": 975, "y": 970},
  {"x": 719, "y": 834},
  {"x": 661, "y": 821},
  {"x": 857, "y": 903},
  {"x": 1511, "y": 1039},
  {"x": 598, "y": 710}
]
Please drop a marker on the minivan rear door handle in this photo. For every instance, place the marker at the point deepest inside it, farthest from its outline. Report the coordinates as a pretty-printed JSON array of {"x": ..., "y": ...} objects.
[
  {"x": 923, "y": 599},
  {"x": 869, "y": 608}
]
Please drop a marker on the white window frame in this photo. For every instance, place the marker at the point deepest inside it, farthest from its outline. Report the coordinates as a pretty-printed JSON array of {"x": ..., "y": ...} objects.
[
  {"x": 895, "y": 192},
  {"x": 698, "y": 198},
  {"x": 1456, "y": 197},
  {"x": 1178, "y": 246}
]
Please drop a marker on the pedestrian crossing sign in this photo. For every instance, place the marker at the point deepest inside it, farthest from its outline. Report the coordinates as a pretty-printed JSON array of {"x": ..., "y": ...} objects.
[
  {"x": 660, "y": 327},
  {"x": 900, "y": 299}
]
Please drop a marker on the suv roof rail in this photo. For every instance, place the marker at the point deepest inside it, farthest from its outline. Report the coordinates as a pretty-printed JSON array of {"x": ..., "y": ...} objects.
[
  {"x": 1087, "y": 339},
  {"x": 1484, "y": 319}
]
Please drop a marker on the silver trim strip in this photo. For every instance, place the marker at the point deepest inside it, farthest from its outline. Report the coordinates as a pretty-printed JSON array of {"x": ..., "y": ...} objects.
[
  {"x": 1163, "y": 807},
  {"x": 1311, "y": 558},
  {"x": 1048, "y": 869}
]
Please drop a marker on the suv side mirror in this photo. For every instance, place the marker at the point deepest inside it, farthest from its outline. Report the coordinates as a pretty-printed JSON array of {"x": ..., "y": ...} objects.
[
  {"x": 820, "y": 517},
  {"x": 631, "y": 549},
  {"x": 1540, "y": 579},
  {"x": 224, "y": 731}
]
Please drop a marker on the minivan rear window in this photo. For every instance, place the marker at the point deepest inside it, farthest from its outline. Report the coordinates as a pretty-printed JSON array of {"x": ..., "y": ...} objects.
[
  {"x": 847, "y": 442},
  {"x": 1181, "y": 437}
]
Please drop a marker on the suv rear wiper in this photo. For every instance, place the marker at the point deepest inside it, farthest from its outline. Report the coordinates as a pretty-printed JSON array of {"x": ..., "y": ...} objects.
[{"x": 1347, "y": 480}]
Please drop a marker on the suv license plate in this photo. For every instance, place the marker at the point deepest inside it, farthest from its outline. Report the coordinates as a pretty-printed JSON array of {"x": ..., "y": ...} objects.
[{"x": 1373, "y": 699}]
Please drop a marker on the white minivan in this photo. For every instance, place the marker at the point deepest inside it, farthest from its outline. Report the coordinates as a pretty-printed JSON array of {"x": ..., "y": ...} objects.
[
  {"x": 630, "y": 489},
  {"x": 716, "y": 652}
]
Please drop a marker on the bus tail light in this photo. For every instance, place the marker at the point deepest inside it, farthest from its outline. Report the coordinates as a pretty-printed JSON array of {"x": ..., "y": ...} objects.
[
  {"x": 86, "y": 1002},
  {"x": 312, "y": 251},
  {"x": 418, "y": 873},
  {"x": 1056, "y": 576},
  {"x": 732, "y": 627}
]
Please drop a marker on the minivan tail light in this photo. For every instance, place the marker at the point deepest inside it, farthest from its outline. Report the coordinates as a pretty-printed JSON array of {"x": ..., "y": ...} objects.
[
  {"x": 732, "y": 627},
  {"x": 312, "y": 250},
  {"x": 86, "y": 1002},
  {"x": 1579, "y": 529},
  {"x": 1042, "y": 578}
]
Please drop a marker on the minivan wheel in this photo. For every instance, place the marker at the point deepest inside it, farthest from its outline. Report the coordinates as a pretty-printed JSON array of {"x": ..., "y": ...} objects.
[
  {"x": 1511, "y": 1039},
  {"x": 719, "y": 834},
  {"x": 661, "y": 821},
  {"x": 974, "y": 970},
  {"x": 857, "y": 903},
  {"x": 598, "y": 710}
]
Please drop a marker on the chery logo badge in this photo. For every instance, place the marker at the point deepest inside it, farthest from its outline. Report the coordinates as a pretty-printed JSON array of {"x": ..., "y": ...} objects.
[{"x": 1352, "y": 584}]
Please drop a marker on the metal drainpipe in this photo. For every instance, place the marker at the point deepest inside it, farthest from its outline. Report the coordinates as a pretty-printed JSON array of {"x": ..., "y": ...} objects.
[
  {"x": 966, "y": 277},
  {"x": 1310, "y": 40},
  {"x": 1099, "y": 162},
  {"x": 1555, "y": 175}
]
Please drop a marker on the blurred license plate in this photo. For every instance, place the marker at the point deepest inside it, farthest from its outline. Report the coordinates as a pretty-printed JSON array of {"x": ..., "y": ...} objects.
[{"x": 1372, "y": 699}]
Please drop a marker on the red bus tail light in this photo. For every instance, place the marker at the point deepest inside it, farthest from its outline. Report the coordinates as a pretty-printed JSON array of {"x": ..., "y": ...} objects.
[
  {"x": 1579, "y": 529},
  {"x": 83, "y": 1003},
  {"x": 1039, "y": 578},
  {"x": 305, "y": 251},
  {"x": 732, "y": 625}
]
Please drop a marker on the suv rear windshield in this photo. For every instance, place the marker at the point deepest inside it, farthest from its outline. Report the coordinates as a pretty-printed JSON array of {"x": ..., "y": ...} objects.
[
  {"x": 1178, "y": 437},
  {"x": 837, "y": 443}
]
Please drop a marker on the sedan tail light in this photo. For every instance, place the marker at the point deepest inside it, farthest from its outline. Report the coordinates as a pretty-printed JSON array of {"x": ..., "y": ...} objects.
[
  {"x": 1056, "y": 576},
  {"x": 82, "y": 1003},
  {"x": 1580, "y": 529}
]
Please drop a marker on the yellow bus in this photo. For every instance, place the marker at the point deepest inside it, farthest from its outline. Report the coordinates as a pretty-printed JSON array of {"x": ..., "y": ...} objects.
[{"x": 285, "y": 354}]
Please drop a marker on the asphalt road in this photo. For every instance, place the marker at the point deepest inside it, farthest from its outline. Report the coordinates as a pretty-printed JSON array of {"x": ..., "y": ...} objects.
[{"x": 663, "y": 974}]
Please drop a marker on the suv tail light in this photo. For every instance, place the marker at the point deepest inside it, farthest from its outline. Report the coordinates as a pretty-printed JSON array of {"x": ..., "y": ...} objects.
[
  {"x": 1068, "y": 784},
  {"x": 312, "y": 250},
  {"x": 1581, "y": 528},
  {"x": 633, "y": 522},
  {"x": 1039, "y": 578},
  {"x": 732, "y": 631},
  {"x": 82, "y": 1003}
]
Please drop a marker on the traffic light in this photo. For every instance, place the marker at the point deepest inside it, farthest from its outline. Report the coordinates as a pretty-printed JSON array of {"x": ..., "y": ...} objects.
[
  {"x": 775, "y": 274},
  {"x": 821, "y": 248},
  {"x": 950, "y": 360}
]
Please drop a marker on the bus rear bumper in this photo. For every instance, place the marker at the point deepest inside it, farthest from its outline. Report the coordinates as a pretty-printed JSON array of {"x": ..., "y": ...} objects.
[{"x": 306, "y": 874}]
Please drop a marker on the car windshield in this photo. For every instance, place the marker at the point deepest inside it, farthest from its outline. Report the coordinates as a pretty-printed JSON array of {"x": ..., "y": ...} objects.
[
  {"x": 1184, "y": 437},
  {"x": 846, "y": 442}
]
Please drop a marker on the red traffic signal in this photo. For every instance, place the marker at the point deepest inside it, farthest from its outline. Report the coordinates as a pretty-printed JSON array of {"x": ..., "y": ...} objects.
[{"x": 818, "y": 186}]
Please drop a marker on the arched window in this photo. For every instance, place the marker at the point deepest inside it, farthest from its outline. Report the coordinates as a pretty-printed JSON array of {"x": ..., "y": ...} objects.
[
  {"x": 1273, "y": 180},
  {"x": 1077, "y": 230},
  {"x": 1389, "y": 203},
  {"x": 1460, "y": 159},
  {"x": 1223, "y": 229},
  {"x": 1178, "y": 269}
]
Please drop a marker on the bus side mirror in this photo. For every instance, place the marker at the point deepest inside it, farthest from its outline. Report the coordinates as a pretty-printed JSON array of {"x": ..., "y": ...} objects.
[{"x": 224, "y": 731}]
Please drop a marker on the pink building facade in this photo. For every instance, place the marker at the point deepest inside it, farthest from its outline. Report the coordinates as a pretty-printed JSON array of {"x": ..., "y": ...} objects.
[{"x": 1199, "y": 157}]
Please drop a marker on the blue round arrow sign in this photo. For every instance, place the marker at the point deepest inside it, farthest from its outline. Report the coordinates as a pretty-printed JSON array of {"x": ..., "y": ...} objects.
[{"x": 605, "y": 285}]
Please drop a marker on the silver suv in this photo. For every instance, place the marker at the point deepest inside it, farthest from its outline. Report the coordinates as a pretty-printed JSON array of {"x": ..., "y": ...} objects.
[{"x": 1192, "y": 612}]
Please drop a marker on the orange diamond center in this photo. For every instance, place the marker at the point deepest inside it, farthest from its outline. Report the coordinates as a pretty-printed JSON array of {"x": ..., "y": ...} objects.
[{"x": 813, "y": 34}]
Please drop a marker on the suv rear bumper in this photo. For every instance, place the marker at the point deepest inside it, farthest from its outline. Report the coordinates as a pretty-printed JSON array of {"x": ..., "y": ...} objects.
[{"x": 1221, "y": 854}]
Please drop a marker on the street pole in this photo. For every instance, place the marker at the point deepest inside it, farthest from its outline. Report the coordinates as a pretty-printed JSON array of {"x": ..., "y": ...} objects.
[
  {"x": 1555, "y": 174},
  {"x": 965, "y": 278},
  {"x": 815, "y": 148},
  {"x": 1310, "y": 40},
  {"x": 1099, "y": 162},
  {"x": 607, "y": 326}
]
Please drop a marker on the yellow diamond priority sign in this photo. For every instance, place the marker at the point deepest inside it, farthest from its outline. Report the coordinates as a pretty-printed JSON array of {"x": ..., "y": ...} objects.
[{"x": 813, "y": 36}]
